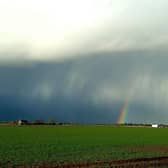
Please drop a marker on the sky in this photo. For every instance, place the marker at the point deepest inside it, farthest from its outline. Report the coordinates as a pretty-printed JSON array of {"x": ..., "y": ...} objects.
[{"x": 82, "y": 61}]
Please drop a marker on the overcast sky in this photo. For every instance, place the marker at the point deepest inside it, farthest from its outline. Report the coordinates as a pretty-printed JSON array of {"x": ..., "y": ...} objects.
[
  {"x": 56, "y": 29},
  {"x": 83, "y": 59}
]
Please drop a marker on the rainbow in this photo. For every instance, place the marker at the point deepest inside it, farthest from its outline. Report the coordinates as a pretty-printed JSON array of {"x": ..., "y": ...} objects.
[{"x": 123, "y": 113}]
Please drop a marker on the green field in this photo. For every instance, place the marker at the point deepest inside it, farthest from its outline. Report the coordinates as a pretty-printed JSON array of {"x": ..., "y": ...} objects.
[{"x": 34, "y": 144}]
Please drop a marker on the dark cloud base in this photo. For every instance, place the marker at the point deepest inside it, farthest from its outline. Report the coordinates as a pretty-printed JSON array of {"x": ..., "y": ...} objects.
[{"x": 66, "y": 91}]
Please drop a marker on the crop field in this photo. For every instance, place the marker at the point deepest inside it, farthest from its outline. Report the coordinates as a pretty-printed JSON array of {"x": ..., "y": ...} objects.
[{"x": 28, "y": 145}]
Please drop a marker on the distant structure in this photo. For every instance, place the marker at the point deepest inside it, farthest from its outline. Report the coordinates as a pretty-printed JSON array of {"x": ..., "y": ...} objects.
[
  {"x": 38, "y": 122},
  {"x": 22, "y": 122},
  {"x": 155, "y": 125}
]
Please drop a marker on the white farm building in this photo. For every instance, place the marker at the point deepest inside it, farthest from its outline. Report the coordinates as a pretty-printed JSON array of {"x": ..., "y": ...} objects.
[{"x": 155, "y": 125}]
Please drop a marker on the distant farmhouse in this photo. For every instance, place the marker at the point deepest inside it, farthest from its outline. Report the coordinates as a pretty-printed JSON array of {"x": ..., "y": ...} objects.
[
  {"x": 35, "y": 122},
  {"x": 155, "y": 126},
  {"x": 22, "y": 122}
]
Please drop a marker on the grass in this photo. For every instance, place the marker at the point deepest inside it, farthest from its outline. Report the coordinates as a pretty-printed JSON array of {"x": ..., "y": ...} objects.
[{"x": 33, "y": 144}]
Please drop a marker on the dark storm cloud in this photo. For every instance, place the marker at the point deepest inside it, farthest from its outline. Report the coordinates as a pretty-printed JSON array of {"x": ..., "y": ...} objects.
[{"x": 88, "y": 89}]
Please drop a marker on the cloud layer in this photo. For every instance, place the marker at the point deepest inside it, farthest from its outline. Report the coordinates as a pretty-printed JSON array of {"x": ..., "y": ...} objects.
[
  {"x": 88, "y": 89},
  {"x": 80, "y": 60},
  {"x": 55, "y": 30}
]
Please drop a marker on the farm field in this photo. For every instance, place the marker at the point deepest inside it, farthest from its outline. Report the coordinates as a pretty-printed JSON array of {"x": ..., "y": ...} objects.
[{"x": 27, "y": 145}]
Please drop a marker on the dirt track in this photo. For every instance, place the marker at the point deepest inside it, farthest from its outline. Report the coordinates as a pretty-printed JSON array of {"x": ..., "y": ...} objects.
[
  {"x": 129, "y": 163},
  {"x": 154, "y": 148}
]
